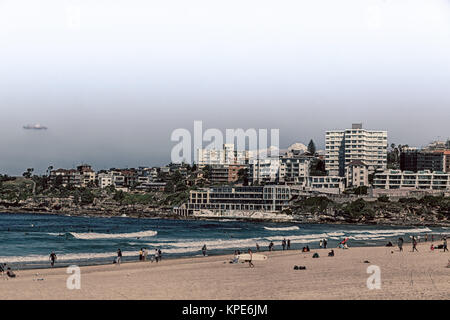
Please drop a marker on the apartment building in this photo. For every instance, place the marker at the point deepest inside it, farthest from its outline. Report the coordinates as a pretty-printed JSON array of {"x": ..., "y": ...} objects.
[
  {"x": 225, "y": 173},
  {"x": 294, "y": 169},
  {"x": 104, "y": 180},
  {"x": 87, "y": 175},
  {"x": 422, "y": 160},
  {"x": 225, "y": 156},
  {"x": 345, "y": 146},
  {"x": 356, "y": 174},
  {"x": 264, "y": 170},
  {"x": 421, "y": 180},
  {"x": 248, "y": 198},
  {"x": 65, "y": 177},
  {"x": 325, "y": 184}
]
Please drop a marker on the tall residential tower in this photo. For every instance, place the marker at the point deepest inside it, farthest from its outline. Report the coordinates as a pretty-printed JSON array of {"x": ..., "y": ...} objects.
[{"x": 344, "y": 146}]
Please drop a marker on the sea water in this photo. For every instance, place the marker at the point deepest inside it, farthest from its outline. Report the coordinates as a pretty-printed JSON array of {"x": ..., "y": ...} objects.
[{"x": 26, "y": 240}]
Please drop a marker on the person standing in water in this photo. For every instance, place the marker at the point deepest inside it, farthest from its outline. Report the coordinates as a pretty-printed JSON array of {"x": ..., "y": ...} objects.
[
  {"x": 52, "y": 259},
  {"x": 289, "y": 244},
  {"x": 204, "y": 250}
]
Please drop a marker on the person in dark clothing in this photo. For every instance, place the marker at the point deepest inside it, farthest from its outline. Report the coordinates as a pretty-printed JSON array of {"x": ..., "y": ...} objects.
[
  {"x": 283, "y": 244},
  {"x": 119, "y": 256},
  {"x": 289, "y": 244},
  {"x": 400, "y": 244},
  {"x": 204, "y": 250},
  {"x": 414, "y": 243},
  {"x": 325, "y": 243},
  {"x": 445, "y": 244},
  {"x": 52, "y": 259}
]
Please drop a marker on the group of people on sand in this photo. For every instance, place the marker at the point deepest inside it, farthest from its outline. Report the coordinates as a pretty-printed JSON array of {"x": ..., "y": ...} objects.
[
  {"x": 5, "y": 270},
  {"x": 237, "y": 253},
  {"x": 415, "y": 240},
  {"x": 143, "y": 253}
]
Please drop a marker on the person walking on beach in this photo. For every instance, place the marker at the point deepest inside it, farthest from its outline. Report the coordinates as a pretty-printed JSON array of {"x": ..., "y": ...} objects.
[
  {"x": 445, "y": 244},
  {"x": 141, "y": 254},
  {"x": 321, "y": 243},
  {"x": 289, "y": 244},
  {"x": 119, "y": 256},
  {"x": 400, "y": 243},
  {"x": 283, "y": 244},
  {"x": 156, "y": 255},
  {"x": 325, "y": 243},
  {"x": 52, "y": 259},
  {"x": 414, "y": 243},
  {"x": 250, "y": 263},
  {"x": 204, "y": 250},
  {"x": 159, "y": 254},
  {"x": 271, "y": 246}
]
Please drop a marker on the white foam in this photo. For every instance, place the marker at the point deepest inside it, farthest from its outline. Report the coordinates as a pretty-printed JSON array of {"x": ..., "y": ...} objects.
[
  {"x": 64, "y": 257},
  {"x": 282, "y": 229},
  {"x": 94, "y": 236}
]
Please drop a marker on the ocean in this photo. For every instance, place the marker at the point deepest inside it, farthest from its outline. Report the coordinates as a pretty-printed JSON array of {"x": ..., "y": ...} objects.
[{"x": 26, "y": 240}]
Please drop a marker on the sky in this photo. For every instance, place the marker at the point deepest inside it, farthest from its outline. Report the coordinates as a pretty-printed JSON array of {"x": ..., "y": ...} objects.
[{"x": 113, "y": 79}]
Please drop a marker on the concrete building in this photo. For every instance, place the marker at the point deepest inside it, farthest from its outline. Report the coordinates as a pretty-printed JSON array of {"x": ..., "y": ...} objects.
[
  {"x": 264, "y": 170},
  {"x": 104, "y": 180},
  {"x": 260, "y": 198},
  {"x": 294, "y": 169},
  {"x": 421, "y": 180},
  {"x": 422, "y": 160},
  {"x": 225, "y": 173},
  {"x": 345, "y": 146},
  {"x": 325, "y": 184},
  {"x": 87, "y": 175},
  {"x": 225, "y": 156},
  {"x": 66, "y": 177},
  {"x": 356, "y": 174}
]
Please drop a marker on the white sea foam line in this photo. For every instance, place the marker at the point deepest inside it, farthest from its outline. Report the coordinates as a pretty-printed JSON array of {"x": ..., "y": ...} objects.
[
  {"x": 95, "y": 236},
  {"x": 393, "y": 231},
  {"x": 282, "y": 229},
  {"x": 64, "y": 257}
]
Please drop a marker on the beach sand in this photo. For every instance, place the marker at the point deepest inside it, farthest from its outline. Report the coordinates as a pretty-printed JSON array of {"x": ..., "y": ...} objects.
[{"x": 404, "y": 275}]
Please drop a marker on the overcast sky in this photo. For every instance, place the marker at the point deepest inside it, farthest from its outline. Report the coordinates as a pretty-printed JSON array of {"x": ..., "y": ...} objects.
[{"x": 112, "y": 79}]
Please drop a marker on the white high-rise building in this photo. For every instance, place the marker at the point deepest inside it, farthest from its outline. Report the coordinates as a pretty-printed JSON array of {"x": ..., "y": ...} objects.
[
  {"x": 345, "y": 146},
  {"x": 224, "y": 156}
]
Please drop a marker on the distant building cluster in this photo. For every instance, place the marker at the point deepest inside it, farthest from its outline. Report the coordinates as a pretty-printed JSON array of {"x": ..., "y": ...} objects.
[{"x": 228, "y": 179}]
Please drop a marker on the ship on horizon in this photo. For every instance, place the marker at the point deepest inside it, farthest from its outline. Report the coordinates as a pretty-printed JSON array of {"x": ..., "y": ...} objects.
[{"x": 36, "y": 126}]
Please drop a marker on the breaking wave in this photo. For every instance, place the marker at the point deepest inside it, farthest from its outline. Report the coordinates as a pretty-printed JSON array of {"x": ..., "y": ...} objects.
[{"x": 282, "y": 229}]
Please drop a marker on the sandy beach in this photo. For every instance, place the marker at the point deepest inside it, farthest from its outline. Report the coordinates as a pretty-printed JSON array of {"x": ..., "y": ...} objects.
[{"x": 404, "y": 275}]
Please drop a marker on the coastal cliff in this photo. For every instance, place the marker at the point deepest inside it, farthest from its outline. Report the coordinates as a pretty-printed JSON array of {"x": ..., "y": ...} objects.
[{"x": 429, "y": 210}]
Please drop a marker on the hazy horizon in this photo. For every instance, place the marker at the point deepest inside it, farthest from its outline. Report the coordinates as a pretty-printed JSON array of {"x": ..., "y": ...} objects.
[{"x": 112, "y": 79}]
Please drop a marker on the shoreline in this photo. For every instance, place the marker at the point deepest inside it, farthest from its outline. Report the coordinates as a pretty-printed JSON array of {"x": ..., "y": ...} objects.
[
  {"x": 404, "y": 275},
  {"x": 127, "y": 259},
  {"x": 170, "y": 216}
]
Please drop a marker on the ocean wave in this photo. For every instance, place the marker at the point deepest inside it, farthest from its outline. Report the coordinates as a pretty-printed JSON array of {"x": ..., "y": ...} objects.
[
  {"x": 282, "y": 228},
  {"x": 65, "y": 257},
  {"x": 392, "y": 231},
  {"x": 95, "y": 236}
]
